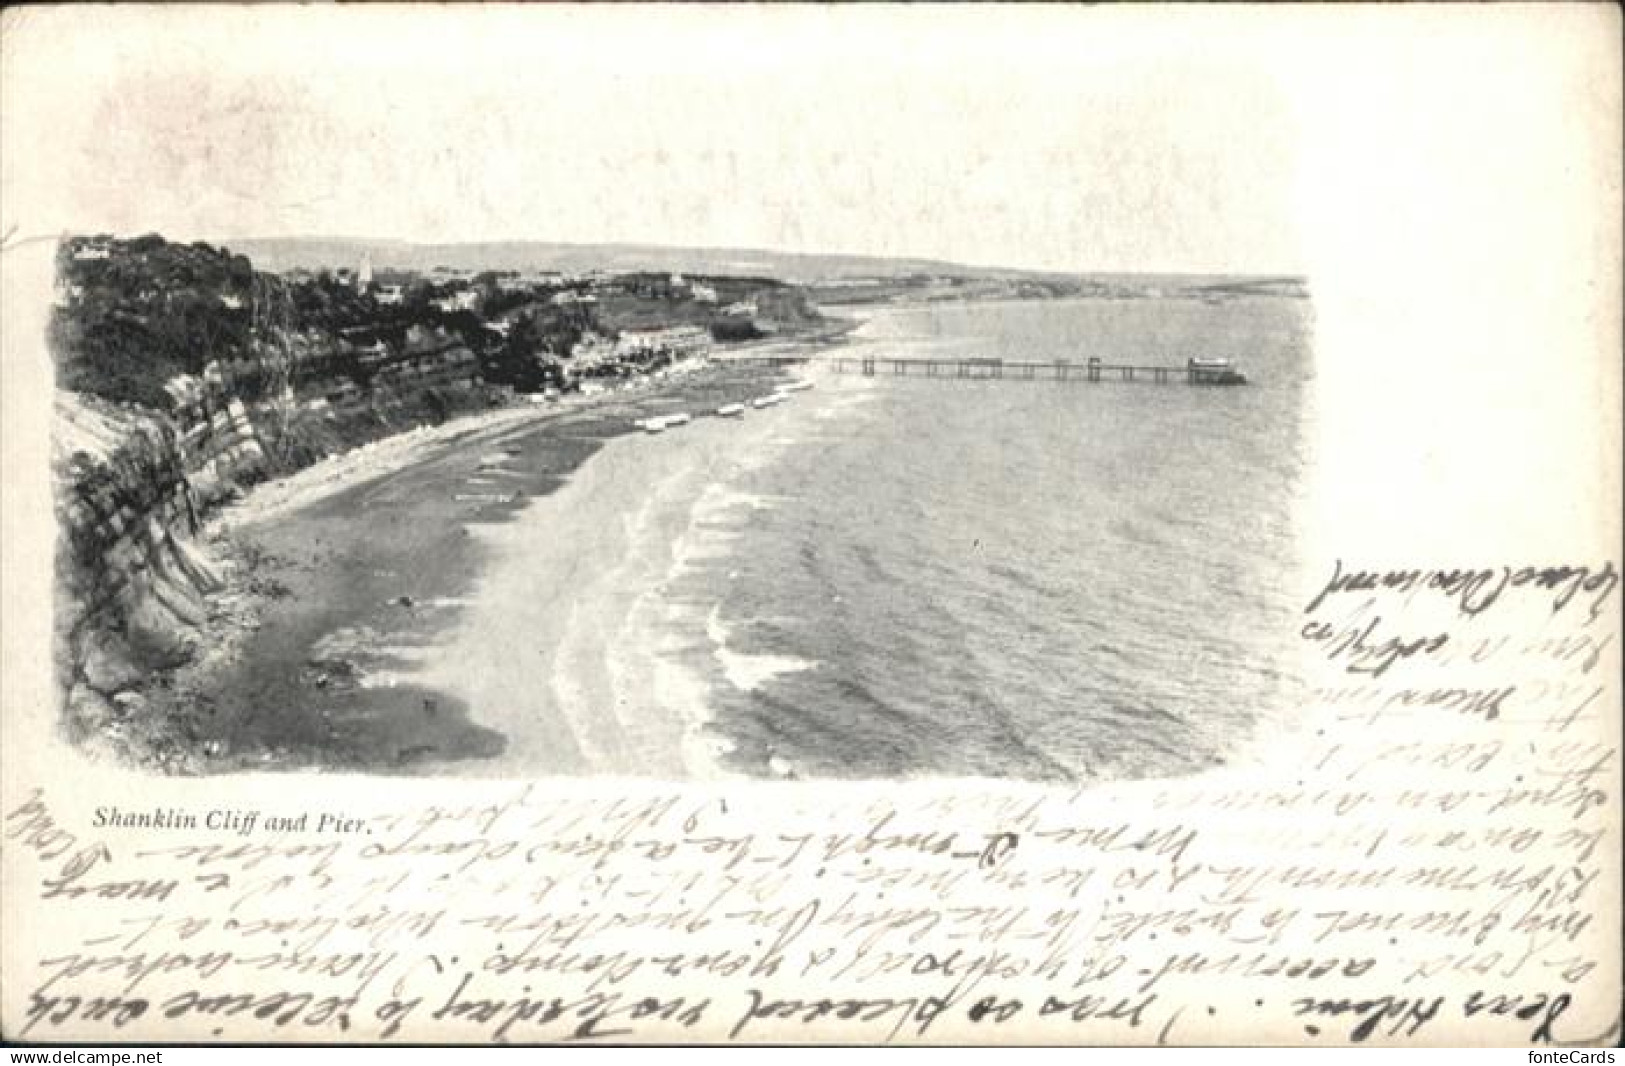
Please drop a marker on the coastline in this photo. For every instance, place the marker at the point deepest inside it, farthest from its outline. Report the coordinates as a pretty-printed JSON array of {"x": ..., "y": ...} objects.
[
  {"x": 321, "y": 651},
  {"x": 563, "y": 647}
]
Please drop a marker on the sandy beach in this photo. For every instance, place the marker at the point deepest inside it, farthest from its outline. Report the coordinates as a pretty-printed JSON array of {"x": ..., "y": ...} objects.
[
  {"x": 555, "y": 648},
  {"x": 461, "y": 594}
]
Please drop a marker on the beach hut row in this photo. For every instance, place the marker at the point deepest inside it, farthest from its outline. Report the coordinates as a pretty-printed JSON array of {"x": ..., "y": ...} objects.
[{"x": 780, "y": 394}]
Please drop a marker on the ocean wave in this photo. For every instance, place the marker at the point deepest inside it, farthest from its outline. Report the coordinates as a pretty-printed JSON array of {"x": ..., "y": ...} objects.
[
  {"x": 748, "y": 673},
  {"x": 718, "y": 499}
]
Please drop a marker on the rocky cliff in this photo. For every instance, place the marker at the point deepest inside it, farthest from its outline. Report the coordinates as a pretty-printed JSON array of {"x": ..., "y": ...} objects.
[{"x": 153, "y": 434}]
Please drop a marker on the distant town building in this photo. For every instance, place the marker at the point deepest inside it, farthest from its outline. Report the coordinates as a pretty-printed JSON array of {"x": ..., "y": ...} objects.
[
  {"x": 591, "y": 350},
  {"x": 705, "y": 294},
  {"x": 391, "y": 294},
  {"x": 363, "y": 277},
  {"x": 678, "y": 340},
  {"x": 462, "y": 300}
]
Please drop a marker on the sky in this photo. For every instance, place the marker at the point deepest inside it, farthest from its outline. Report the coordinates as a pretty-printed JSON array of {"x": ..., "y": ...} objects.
[
  {"x": 1042, "y": 137},
  {"x": 1159, "y": 138}
]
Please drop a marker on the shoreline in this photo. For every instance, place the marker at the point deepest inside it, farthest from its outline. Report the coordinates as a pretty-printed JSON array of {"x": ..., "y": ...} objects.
[
  {"x": 560, "y": 648},
  {"x": 315, "y": 654}
]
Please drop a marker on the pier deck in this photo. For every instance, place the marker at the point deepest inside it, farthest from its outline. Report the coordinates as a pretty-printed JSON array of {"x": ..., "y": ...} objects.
[{"x": 1058, "y": 370}]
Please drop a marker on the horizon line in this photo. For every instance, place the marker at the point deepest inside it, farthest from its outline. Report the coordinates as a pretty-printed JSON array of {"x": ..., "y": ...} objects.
[{"x": 225, "y": 241}]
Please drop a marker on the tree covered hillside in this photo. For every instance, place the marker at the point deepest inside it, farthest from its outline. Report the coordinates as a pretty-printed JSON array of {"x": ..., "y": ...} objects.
[{"x": 132, "y": 314}]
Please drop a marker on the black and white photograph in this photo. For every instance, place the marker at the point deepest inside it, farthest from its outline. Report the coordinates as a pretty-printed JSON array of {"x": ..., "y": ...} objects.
[
  {"x": 1032, "y": 477},
  {"x": 522, "y": 508}
]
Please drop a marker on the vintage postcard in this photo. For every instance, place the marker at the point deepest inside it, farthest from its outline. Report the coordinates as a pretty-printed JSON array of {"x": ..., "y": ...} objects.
[{"x": 811, "y": 523}]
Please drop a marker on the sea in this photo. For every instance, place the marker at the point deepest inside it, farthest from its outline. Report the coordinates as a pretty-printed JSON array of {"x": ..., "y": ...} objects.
[{"x": 1041, "y": 580}]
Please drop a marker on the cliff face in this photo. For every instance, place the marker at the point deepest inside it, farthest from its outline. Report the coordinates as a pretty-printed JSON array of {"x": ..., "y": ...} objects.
[
  {"x": 154, "y": 433},
  {"x": 130, "y": 582}
]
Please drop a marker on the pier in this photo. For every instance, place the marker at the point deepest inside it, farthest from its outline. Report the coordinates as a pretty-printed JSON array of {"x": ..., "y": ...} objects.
[{"x": 1193, "y": 372}]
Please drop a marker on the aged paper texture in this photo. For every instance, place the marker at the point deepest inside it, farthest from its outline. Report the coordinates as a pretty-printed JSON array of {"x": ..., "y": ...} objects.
[{"x": 947, "y": 687}]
